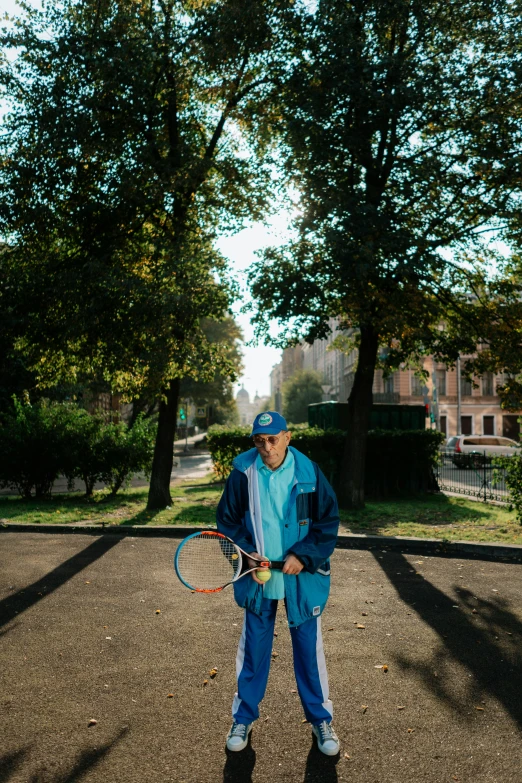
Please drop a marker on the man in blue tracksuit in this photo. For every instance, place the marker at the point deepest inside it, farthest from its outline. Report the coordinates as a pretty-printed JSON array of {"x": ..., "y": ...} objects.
[{"x": 278, "y": 504}]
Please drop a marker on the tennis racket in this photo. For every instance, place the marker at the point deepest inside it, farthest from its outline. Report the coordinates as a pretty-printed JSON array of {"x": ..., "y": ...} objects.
[{"x": 207, "y": 562}]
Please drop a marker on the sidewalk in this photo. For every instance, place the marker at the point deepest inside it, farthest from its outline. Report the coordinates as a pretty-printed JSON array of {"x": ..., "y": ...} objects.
[{"x": 82, "y": 639}]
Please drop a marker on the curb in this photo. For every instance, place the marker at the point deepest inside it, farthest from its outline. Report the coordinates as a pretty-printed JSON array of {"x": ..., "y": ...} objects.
[{"x": 422, "y": 546}]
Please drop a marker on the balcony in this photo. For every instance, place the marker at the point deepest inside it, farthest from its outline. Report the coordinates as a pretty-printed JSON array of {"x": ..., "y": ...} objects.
[{"x": 390, "y": 398}]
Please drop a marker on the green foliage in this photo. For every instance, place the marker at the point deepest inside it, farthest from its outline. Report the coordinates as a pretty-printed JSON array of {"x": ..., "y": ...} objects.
[
  {"x": 225, "y": 443},
  {"x": 299, "y": 391},
  {"x": 110, "y": 453},
  {"x": 512, "y": 469},
  {"x": 111, "y": 222},
  {"x": 217, "y": 394},
  {"x": 41, "y": 441},
  {"x": 32, "y": 446},
  {"x": 397, "y": 462}
]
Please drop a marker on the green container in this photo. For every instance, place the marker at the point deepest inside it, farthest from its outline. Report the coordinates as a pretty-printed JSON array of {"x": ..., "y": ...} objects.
[{"x": 334, "y": 415}]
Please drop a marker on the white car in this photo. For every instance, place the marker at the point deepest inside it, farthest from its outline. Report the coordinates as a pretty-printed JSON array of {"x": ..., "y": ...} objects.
[{"x": 472, "y": 450}]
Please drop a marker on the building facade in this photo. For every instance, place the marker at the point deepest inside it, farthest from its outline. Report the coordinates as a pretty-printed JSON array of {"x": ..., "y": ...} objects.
[{"x": 474, "y": 408}]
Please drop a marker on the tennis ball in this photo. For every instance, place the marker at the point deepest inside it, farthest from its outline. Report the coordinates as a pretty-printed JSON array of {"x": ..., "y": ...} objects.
[{"x": 263, "y": 576}]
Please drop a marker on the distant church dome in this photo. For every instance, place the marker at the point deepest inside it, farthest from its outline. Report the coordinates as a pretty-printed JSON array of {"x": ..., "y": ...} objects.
[{"x": 243, "y": 395}]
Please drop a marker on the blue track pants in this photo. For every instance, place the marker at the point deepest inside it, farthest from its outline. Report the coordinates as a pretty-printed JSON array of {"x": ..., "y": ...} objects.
[{"x": 253, "y": 665}]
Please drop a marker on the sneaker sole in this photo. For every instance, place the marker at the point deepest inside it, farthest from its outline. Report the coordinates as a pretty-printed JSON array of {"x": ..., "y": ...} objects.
[{"x": 243, "y": 745}]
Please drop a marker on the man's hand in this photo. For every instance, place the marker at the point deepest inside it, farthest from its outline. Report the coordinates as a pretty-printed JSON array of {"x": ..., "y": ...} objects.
[
  {"x": 253, "y": 564},
  {"x": 292, "y": 565}
]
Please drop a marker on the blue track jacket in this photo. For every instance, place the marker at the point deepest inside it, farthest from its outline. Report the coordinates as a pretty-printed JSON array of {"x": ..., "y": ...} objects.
[{"x": 311, "y": 536}]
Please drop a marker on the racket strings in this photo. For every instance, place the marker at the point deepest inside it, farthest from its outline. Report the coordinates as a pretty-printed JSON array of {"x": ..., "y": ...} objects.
[{"x": 208, "y": 562}]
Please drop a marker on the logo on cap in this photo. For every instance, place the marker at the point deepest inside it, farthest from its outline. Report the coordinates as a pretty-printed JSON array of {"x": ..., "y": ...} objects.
[{"x": 265, "y": 419}]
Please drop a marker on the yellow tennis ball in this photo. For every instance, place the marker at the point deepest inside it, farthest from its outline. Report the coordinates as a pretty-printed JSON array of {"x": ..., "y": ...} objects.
[{"x": 264, "y": 576}]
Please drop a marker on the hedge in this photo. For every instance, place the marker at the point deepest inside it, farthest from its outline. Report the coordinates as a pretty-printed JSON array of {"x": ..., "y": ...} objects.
[
  {"x": 42, "y": 441},
  {"x": 397, "y": 462}
]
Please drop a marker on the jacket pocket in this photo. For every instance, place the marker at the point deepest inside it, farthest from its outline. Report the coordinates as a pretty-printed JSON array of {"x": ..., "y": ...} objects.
[{"x": 312, "y": 592}]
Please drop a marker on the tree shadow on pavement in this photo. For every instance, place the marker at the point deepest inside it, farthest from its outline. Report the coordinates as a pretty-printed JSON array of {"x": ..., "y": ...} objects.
[
  {"x": 86, "y": 761},
  {"x": 478, "y": 640},
  {"x": 18, "y": 602},
  {"x": 320, "y": 768},
  {"x": 239, "y": 766},
  {"x": 10, "y": 762}
]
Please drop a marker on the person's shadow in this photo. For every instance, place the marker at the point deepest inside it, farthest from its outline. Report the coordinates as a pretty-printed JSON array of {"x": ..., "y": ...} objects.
[
  {"x": 320, "y": 768},
  {"x": 239, "y": 766}
]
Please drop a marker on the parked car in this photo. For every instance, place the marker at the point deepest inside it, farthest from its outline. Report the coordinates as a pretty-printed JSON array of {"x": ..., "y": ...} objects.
[{"x": 467, "y": 451}]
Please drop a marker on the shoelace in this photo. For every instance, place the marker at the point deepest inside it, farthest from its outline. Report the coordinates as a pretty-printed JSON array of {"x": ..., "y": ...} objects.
[
  {"x": 238, "y": 730},
  {"x": 326, "y": 731}
]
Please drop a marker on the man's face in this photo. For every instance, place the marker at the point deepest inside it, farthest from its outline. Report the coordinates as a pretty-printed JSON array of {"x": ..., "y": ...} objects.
[{"x": 272, "y": 448}]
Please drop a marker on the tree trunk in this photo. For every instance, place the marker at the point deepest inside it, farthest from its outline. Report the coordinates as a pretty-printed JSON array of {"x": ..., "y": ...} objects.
[
  {"x": 159, "y": 490},
  {"x": 351, "y": 484}
]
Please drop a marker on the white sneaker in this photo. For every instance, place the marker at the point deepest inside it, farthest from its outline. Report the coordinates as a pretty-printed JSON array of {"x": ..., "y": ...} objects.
[
  {"x": 327, "y": 739},
  {"x": 238, "y": 736}
]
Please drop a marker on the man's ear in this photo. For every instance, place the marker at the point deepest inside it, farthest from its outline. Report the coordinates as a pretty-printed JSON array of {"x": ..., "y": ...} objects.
[{"x": 289, "y": 437}]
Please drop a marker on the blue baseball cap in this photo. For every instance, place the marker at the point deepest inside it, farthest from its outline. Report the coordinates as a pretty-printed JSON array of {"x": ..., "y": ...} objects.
[{"x": 268, "y": 423}]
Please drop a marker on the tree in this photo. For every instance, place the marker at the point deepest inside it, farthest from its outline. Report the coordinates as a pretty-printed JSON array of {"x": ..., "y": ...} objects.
[
  {"x": 120, "y": 157},
  {"x": 300, "y": 391},
  {"x": 405, "y": 161},
  {"x": 218, "y": 392}
]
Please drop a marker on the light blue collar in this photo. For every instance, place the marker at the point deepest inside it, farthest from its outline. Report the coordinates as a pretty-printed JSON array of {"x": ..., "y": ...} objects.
[{"x": 304, "y": 469}]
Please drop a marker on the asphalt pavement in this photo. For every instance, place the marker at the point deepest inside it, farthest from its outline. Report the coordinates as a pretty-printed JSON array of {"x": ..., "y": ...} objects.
[{"x": 99, "y": 629}]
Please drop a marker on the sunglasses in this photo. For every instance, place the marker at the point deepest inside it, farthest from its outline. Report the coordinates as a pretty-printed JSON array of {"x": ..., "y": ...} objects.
[{"x": 273, "y": 440}]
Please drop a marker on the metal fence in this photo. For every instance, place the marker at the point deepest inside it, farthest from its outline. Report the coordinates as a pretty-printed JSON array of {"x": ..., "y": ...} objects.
[{"x": 473, "y": 475}]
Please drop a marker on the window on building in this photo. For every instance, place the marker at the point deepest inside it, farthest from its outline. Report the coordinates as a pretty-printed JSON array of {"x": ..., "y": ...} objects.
[
  {"x": 510, "y": 427},
  {"x": 489, "y": 425},
  {"x": 444, "y": 425},
  {"x": 440, "y": 380},
  {"x": 388, "y": 384},
  {"x": 466, "y": 425},
  {"x": 465, "y": 388},
  {"x": 488, "y": 384},
  {"x": 417, "y": 386}
]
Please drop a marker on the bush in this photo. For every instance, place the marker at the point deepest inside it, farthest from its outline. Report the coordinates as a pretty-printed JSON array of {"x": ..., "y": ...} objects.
[
  {"x": 39, "y": 442},
  {"x": 109, "y": 453},
  {"x": 397, "y": 462},
  {"x": 512, "y": 468},
  {"x": 32, "y": 441}
]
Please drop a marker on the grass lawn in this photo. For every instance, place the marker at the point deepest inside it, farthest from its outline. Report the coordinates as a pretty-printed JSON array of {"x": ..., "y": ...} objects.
[
  {"x": 435, "y": 516},
  {"x": 194, "y": 503}
]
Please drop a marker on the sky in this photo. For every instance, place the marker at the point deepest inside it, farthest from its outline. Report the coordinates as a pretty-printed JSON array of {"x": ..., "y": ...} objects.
[{"x": 240, "y": 251}]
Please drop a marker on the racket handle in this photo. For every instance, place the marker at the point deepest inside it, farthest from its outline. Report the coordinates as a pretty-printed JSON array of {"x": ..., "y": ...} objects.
[{"x": 277, "y": 565}]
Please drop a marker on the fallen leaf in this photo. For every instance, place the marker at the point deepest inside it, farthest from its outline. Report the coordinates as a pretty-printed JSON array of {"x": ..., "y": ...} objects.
[
  {"x": 205, "y": 682},
  {"x": 275, "y": 654},
  {"x": 304, "y": 720},
  {"x": 275, "y": 633},
  {"x": 87, "y": 583},
  {"x": 108, "y": 637},
  {"x": 494, "y": 591},
  {"x": 331, "y": 629},
  {"x": 481, "y": 709},
  {"x": 293, "y": 690},
  {"x": 170, "y": 695},
  {"x": 346, "y": 756},
  {"x": 213, "y": 673},
  {"x": 158, "y": 611},
  {"x": 364, "y": 707},
  {"x": 92, "y": 722},
  {"x": 364, "y": 614},
  {"x": 410, "y": 731},
  {"x": 360, "y": 626},
  {"x": 401, "y": 707},
  {"x": 473, "y": 611},
  {"x": 385, "y": 667}
]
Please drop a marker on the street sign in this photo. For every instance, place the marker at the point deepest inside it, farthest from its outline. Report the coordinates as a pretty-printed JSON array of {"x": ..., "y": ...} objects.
[{"x": 201, "y": 411}]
